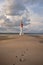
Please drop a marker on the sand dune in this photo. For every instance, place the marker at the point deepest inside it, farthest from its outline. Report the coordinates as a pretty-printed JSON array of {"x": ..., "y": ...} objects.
[{"x": 21, "y": 50}]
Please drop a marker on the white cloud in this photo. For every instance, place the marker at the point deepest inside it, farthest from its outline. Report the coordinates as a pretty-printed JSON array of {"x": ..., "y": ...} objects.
[
  {"x": 16, "y": 7},
  {"x": 14, "y": 10},
  {"x": 36, "y": 25}
]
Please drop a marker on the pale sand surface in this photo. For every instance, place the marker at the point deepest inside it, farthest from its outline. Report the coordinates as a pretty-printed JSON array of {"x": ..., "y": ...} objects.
[{"x": 21, "y": 50}]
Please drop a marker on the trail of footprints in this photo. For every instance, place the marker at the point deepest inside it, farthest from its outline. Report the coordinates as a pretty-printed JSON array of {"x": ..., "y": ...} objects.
[{"x": 22, "y": 59}]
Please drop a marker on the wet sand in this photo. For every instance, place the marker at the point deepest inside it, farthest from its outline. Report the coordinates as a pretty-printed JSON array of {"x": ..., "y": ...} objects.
[{"x": 21, "y": 50}]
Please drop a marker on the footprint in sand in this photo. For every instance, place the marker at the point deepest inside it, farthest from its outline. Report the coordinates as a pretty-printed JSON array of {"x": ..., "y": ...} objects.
[
  {"x": 16, "y": 56},
  {"x": 21, "y": 59},
  {"x": 22, "y": 55}
]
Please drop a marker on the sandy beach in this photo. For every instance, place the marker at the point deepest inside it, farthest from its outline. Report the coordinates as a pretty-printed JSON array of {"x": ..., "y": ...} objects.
[{"x": 21, "y": 50}]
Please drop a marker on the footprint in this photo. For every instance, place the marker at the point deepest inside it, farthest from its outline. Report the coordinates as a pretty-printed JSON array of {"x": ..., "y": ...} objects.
[
  {"x": 21, "y": 59},
  {"x": 13, "y": 64},
  {"x": 22, "y": 55},
  {"x": 16, "y": 56}
]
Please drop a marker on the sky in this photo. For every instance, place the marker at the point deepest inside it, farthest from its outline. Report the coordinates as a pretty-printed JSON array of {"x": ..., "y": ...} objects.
[{"x": 29, "y": 11}]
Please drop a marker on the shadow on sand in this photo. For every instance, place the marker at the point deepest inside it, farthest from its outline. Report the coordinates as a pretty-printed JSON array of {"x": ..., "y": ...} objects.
[
  {"x": 41, "y": 41},
  {"x": 5, "y": 38}
]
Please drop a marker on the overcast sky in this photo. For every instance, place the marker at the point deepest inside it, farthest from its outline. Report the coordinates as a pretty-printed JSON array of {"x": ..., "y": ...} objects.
[{"x": 29, "y": 11}]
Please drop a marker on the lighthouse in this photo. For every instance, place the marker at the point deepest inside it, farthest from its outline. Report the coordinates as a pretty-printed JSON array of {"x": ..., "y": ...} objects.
[{"x": 21, "y": 28}]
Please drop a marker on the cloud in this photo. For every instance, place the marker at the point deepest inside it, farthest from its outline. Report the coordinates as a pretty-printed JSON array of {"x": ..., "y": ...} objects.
[
  {"x": 10, "y": 21},
  {"x": 15, "y": 7},
  {"x": 33, "y": 1},
  {"x": 36, "y": 25},
  {"x": 30, "y": 11}
]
